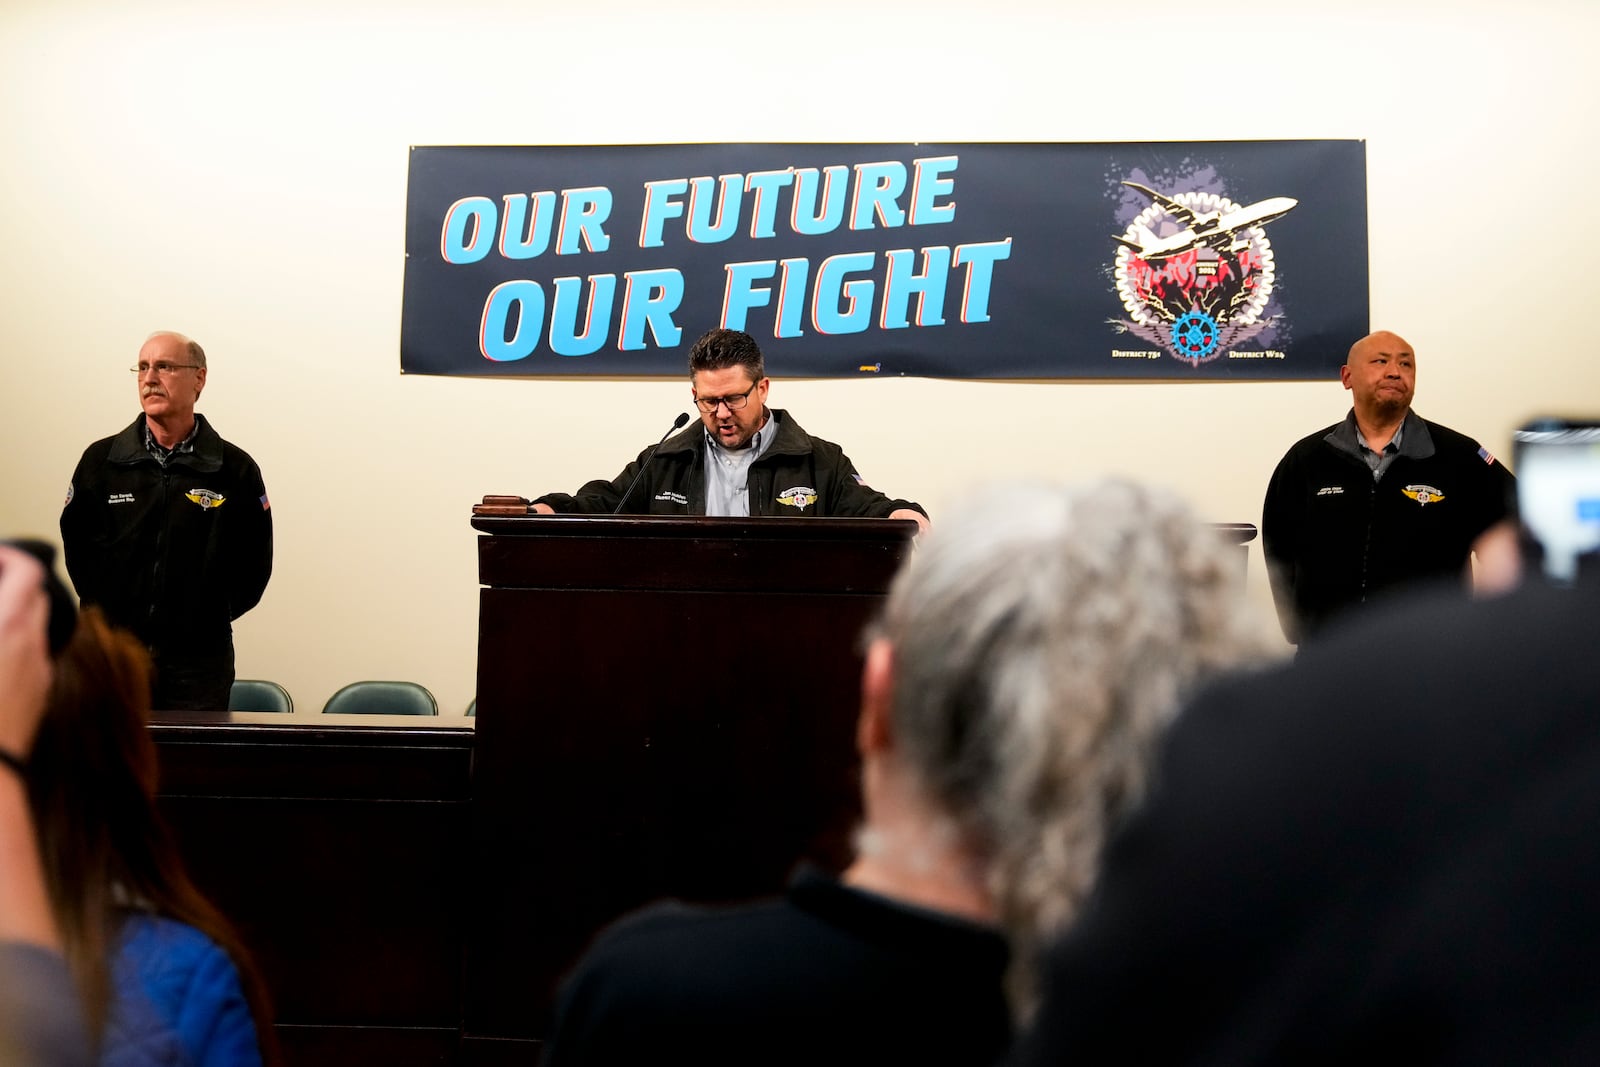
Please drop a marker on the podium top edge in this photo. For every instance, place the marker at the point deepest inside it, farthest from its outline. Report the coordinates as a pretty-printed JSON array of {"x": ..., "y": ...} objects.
[{"x": 695, "y": 526}]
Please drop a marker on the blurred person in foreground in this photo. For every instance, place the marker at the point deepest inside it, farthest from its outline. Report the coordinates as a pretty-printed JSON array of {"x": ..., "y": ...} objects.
[
  {"x": 1029, "y": 655},
  {"x": 1383, "y": 853},
  {"x": 41, "y": 1021},
  {"x": 163, "y": 978}
]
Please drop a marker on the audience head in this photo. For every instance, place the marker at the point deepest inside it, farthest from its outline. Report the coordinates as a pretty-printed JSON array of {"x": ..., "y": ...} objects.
[
  {"x": 1036, "y": 645},
  {"x": 106, "y": 849}
]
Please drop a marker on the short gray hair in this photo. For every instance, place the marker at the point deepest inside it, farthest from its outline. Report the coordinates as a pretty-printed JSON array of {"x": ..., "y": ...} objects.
[{"x": 1043, "y": 638}]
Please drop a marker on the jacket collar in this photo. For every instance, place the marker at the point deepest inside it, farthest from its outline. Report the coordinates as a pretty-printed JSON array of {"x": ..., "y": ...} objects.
[
  {"x": 127, "y": 447},
  {"x": 1415, "y": 441},
  {"x": 790, "y": 440}
]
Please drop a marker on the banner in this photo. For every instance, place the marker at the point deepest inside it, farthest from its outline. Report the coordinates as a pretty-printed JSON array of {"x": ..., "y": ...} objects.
[{"x": 1177, "y": 260}]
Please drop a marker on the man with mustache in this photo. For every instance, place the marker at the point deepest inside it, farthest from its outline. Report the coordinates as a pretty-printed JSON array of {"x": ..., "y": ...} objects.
[
  {"x": 1381, "y": 501},
  {"x": 167, "y": 528},
  {"x": 744, "y": 459}
]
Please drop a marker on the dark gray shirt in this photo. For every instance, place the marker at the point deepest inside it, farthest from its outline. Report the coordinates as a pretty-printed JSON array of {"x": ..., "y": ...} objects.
[
  {"x": 1411, "y": 439},
  {"x": 41, "y": 1020}
]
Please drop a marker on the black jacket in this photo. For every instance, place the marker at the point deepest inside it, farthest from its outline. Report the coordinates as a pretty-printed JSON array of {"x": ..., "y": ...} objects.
[
  {"x": 829, "y": 974},
  {"x": 1382, "y": 854},
  {"x": 798, "y": 475},
  {"x": 173, "y": 554},
  {"x": 1333, "y": 537}
]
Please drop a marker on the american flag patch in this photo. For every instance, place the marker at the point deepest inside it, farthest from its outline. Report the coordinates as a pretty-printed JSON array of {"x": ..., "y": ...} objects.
[
  {"x": 265, "y": 503},
  {"x": 1483, "y": 454},
  {"x": 859, "y": 480}
]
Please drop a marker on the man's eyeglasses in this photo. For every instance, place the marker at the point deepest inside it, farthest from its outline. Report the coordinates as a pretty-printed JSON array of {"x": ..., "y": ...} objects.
[
  {"x": 736, "y": 402},
  {"x": 166, "y": 370}
]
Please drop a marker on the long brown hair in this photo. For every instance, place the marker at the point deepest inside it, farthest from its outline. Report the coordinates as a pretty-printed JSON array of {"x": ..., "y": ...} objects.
[{"x": 106, "y": 849}]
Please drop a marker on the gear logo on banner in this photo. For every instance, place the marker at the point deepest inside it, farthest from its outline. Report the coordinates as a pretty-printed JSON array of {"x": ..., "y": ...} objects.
[{"x": 1195, "y": 272}]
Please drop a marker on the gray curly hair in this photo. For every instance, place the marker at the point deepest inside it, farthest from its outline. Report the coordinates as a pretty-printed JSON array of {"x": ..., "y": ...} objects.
[{"x": 1043, "y": 638}]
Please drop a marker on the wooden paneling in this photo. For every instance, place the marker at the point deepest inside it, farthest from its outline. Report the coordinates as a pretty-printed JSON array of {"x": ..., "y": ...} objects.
[{"x": 336, "y": 846}]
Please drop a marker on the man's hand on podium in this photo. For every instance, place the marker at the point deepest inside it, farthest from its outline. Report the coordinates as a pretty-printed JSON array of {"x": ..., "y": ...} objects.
[
  {"x": 903, "y": 513},
  {"x": 916, "y": 516}
]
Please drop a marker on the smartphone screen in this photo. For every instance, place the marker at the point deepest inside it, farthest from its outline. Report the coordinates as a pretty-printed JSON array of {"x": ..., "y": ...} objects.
[{"x": 1558, "y": 493}]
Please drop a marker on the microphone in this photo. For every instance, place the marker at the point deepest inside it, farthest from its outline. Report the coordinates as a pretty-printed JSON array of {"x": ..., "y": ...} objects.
[{"x": 677, "y": 424}]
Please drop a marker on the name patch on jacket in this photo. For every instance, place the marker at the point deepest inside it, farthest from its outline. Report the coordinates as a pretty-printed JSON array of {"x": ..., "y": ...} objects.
[
  {"x": 1423, "y": 494},
  {"x": 676, "y": 498},
  {"x": 799, "y": 496},
  {"x": 206, "y": 498},
  {"x": 119, "y": 498},
  {"x": 1330, "y": 490}
]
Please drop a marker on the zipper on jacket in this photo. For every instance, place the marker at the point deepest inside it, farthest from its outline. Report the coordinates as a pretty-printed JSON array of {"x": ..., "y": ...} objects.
[
  {"x": 1366, "y": 547},
  {"x": 157, "y": 570}
]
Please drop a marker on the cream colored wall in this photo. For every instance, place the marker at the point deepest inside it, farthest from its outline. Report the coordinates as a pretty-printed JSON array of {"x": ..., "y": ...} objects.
[{"x": 237, "y": 171}]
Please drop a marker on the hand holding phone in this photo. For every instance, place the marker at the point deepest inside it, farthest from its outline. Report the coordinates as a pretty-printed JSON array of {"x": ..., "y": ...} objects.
[{"x": 1558, "y": 494}]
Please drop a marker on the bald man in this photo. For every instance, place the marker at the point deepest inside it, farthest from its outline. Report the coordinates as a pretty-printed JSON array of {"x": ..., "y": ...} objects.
[
  {"x": 167, "y": 528},
  {"x": 1380, "y": 502}
]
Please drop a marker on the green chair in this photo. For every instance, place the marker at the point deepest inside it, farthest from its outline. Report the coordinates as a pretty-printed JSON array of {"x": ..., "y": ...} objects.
[
  {"x": 472, "y": 708},
  {"x": 382, "y": 698},
  {"x": 256, "y": 694}
]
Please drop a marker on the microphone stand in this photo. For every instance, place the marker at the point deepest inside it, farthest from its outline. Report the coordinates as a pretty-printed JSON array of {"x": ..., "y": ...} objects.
[{"x": 676, "y": 425}]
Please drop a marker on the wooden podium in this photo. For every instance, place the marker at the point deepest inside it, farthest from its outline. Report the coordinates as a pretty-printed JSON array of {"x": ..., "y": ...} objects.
[{"x": 666, "y": 707}]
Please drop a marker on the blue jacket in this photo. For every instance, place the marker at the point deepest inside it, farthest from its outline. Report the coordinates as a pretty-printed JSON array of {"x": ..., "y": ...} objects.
[{"x": 177, "y": 1001}]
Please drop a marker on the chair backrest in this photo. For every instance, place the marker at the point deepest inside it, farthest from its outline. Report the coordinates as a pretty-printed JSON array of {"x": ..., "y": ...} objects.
[
  {"x": 257, "y": 694},
  {"x": 382, "y": 698},
  {"x": 472, "y": 708}
]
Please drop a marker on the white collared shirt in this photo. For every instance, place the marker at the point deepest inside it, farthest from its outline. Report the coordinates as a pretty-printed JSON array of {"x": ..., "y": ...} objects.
[{"x": 728, "y": 471}]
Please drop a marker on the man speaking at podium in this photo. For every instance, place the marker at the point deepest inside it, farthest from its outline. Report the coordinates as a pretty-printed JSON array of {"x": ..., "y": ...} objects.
[{"x": 744, "y": 458}]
